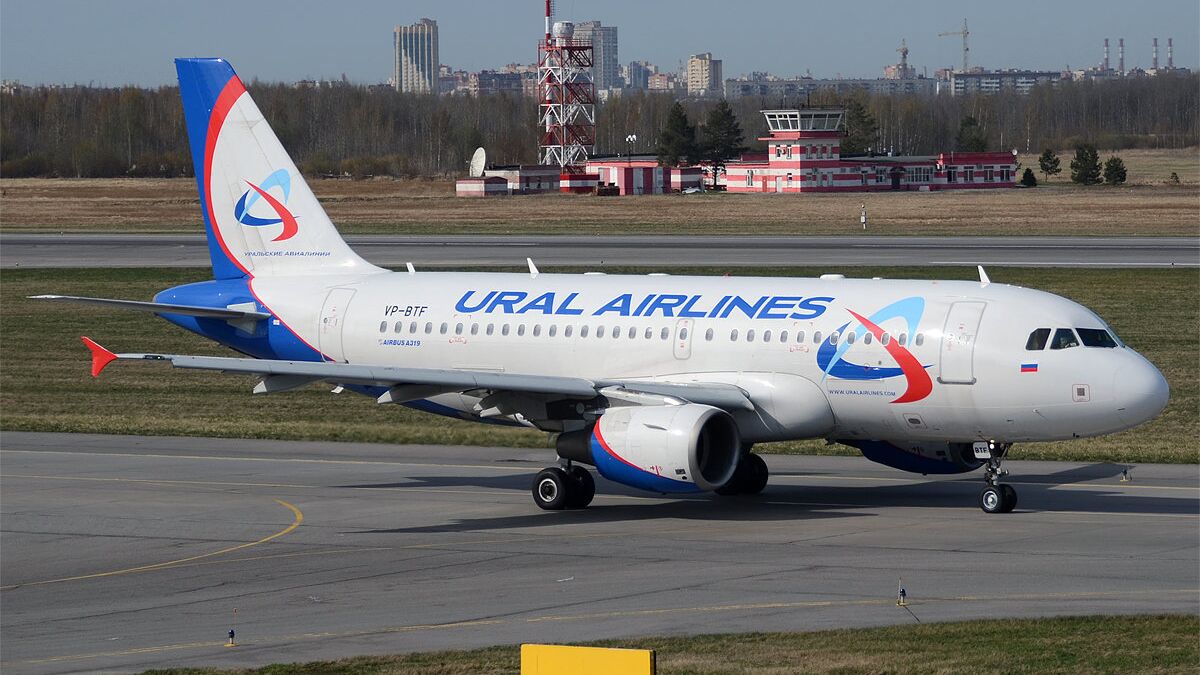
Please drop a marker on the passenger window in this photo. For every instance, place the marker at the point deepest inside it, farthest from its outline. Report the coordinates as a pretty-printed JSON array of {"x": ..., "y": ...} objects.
[
  {"x": 428, "y": 328},
  {"x": 568, "y": 330},
  {"x": 816, "y": 337},
  {"x": 599, "y": 331},
  {"x": 632, "y": 332},
  {"x": 664, "y": 334},
  {"x": 537, "y": 330},
  {"x": 583, "y": 331},
  {"x": 708, "y": 335},
  {"x": 504, "y": 329},
  {"x": 1037, "y": 340},
  {"x": 616, "y": 332},
  {"x": 867, "y": 339},
  {"x": 920, "y": 339},
  {"x": 849, "y": 338},
  {"x": 491, "y": 328},
  {"x": 834, "y": 337},
  {"x": 799, "y": 336},
  {"x": 1095, "y": 337},
  {"x": 1064, "y": 338},
  {"x": 458, "y": 329},
  {"x": 766, "y": 336},
  {"x": 783, "y": 336},
  {"x": 442, "y": 329},
  {"x": 474, "y": 329},
  {"x": 733, "y": 335},
  {"x": 399, "y": 326},
  {"x": 412, "y": 327},
  {"x": 382, "y": 326},
  {"x": 521, "y": 329},
  {"x": 750, "y": 335},
  {"x": 683, "y": 333},
  {"x": 649, "y": 333},
  {"x": 553, "y": 331},
  {"x": 885, "y": 339},
  {"x": 903, "y": 339}
]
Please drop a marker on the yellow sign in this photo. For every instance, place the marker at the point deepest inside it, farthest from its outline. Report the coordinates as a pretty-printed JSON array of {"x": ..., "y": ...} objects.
[{"x": 568, "y": 660}]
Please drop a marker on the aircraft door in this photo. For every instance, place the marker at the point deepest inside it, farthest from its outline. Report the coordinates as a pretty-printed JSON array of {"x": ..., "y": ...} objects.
[
  {"x": 683, "y": 338},
  {"x": 958, "y": 342},
  {"x": 333, "y": 319}
]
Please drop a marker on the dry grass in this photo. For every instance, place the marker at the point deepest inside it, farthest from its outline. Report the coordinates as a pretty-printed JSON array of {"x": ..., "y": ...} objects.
[
  {"x": 45, "y": 385},
  {"x": 1133, "y": 644},
  {"x": 1147, "y": 206}
]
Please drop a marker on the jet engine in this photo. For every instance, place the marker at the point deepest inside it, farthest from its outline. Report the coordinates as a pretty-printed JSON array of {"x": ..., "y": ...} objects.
[
  {"x": 667, "y": 448},
  {"x": 922, "y": 458}
]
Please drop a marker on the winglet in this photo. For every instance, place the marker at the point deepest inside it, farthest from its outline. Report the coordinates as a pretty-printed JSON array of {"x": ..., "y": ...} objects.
[{"x": 101, "y": 357}]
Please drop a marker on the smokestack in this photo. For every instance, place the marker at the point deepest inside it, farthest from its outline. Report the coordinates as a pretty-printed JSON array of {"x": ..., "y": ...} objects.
[
  {"x": 1154, "y": 61},
  {"x": 1105, "y": 53},
  {"x": 548, "y": 12},
  {"x": 1121, "y": 55},
  {"x": 1170, "y": 54}
]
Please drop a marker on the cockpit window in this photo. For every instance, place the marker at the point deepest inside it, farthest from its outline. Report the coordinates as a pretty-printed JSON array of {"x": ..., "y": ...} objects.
[
  {"x": 1095, "y": 337},
  {"x": 1037, "y": 340},
  {"x": 1064, "y": 338}
]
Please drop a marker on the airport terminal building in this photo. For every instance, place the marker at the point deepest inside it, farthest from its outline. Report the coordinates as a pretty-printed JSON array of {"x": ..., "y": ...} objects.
[{"x": 804, "y": 155}]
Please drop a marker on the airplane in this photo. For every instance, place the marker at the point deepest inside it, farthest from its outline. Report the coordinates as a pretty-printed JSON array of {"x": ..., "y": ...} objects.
[{"x": 663, "y": 383}]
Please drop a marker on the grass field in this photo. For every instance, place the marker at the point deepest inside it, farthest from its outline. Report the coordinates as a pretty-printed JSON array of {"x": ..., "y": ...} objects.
[
  {"x": 45, "y": 384},
  {"x": 1133, "y": 644},
  {"x": 1146, "y": 206}
]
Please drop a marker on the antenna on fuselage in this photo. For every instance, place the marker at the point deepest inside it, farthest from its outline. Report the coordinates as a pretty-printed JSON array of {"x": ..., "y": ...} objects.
[
  {"x": 411, "y": 269},
  {"x": 983, "y": 277},
  {"x": 533, "y": 270}
]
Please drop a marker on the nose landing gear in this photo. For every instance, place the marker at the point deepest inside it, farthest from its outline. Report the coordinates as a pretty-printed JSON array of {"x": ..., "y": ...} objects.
[{"x": 997, "y": 497}]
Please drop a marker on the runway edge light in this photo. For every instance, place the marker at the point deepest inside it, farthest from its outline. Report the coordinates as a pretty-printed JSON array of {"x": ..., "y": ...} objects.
[{"x": 537, "y": 659}]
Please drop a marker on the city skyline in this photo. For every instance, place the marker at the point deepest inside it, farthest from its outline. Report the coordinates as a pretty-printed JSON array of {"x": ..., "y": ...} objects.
[{"x": 133, "y": 41}]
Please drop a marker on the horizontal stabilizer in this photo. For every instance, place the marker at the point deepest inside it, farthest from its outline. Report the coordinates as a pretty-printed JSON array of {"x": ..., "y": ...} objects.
[{"x": 161, "y": 307}]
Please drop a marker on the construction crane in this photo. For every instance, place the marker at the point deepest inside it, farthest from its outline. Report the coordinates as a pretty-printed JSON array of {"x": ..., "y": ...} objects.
[{"x": 964, "y": 33}]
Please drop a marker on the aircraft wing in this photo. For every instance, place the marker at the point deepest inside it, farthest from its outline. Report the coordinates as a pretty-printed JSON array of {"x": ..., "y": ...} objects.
[{"x": 407, "y": 384}]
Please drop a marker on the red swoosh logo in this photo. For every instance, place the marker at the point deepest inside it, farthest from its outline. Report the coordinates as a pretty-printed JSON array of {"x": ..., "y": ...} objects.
[
  {"x": 290, "y": 226},
  {"x": 919, "y": 383}
]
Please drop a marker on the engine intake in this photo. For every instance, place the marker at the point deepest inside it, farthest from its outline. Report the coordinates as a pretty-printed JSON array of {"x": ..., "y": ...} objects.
[{"x": 672, "y": 448}]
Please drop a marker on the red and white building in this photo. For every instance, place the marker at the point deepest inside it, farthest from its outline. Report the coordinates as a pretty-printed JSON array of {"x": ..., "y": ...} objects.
[
  {"x": 643, "y": 175},
  {"x": 804, "y": 155}
]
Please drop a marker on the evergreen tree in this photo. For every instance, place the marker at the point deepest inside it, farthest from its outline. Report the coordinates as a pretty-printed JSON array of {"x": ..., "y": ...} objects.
[
  {"x": 1114, "y": 171},
  {"x": 971, "y": 137},
  {"x": 1049, "y": 164},
  {"x": 861, "y": 128},
  {"x": 677, "y": 141},
  {"x": 1085, "y": 168},
  {"x": 721, "y": 137},
  {"x": 1028, "y": 179}
]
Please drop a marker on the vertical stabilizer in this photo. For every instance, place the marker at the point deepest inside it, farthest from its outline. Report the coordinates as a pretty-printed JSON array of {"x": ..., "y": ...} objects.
[{"x": 260, "y": 215}]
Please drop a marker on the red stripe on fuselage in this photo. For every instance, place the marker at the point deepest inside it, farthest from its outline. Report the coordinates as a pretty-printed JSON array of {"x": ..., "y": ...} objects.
[
  {"x": 919, "y": 383},
  {"x": 229, "y": 95}
]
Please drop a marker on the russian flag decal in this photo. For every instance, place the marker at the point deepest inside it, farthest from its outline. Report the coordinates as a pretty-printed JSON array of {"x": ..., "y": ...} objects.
[{"x": 1029, "y": 367}]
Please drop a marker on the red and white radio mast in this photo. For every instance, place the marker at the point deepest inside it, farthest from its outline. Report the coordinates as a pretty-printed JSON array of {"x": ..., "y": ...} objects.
[{"x": 567, "y": 109}]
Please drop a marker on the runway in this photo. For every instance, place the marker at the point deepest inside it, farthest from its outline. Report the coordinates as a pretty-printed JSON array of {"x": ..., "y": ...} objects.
[
  {"x": 598, "y": 252},
  {"x": 131, "y": 552}
]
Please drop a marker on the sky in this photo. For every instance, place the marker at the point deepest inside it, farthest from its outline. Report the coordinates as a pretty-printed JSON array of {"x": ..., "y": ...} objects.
[{"x": 119, "y": 42}]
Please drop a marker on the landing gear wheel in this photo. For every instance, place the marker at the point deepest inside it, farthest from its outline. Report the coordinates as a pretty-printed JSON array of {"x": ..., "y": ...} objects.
[
  {"x": 991, "y": 500},
  {"x": 581, "y": 494},
  {"x": 755, "y": 478},
  {"x": 1009, "y": 495},
  {"x": 749, "y": 478},
  {"x": 552, "y": 489}
]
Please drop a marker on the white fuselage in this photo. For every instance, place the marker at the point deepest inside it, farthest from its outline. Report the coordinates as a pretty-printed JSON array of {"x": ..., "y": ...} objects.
[{"x": 969, "y": 338}]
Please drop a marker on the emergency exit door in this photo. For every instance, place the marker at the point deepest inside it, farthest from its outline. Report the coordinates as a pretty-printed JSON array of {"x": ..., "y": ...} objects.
[
  {"x": 958, "y": 342},
  {"x": 333, "y": 319}
]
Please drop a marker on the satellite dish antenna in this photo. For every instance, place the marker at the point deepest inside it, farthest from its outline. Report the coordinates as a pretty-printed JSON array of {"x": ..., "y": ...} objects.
[{"x": 478, "y": 162}]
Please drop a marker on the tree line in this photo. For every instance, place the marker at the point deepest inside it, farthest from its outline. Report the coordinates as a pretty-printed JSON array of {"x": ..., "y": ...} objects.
[{"x": 356, "y": 130}]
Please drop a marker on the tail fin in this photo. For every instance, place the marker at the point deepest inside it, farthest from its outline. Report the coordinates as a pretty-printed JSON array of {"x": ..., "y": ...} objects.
[{"x": 260, "y": 216}]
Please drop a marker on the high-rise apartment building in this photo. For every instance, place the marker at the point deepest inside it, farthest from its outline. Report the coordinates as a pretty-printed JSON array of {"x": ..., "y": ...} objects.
[
  {"x": 416, "y": 66},
  {"x": 704, "y": 76},
  {"x": 606, "y": 71}
]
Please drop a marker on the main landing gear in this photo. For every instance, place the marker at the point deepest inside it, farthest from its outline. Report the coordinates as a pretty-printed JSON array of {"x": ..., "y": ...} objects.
[
  {"x": 997, "y": 497},
  {"x": 555, "y": 489},
  {"x": 749, "y": 478}
]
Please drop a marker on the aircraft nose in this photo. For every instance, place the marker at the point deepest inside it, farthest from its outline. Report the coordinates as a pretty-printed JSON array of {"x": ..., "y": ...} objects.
[{"x": 1141, "y": 392}]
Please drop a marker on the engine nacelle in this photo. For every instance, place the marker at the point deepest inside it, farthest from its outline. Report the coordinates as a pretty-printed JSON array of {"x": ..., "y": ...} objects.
[
  {"x": 669, "y": 448},
  {"x": 924, "y": 457}
]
